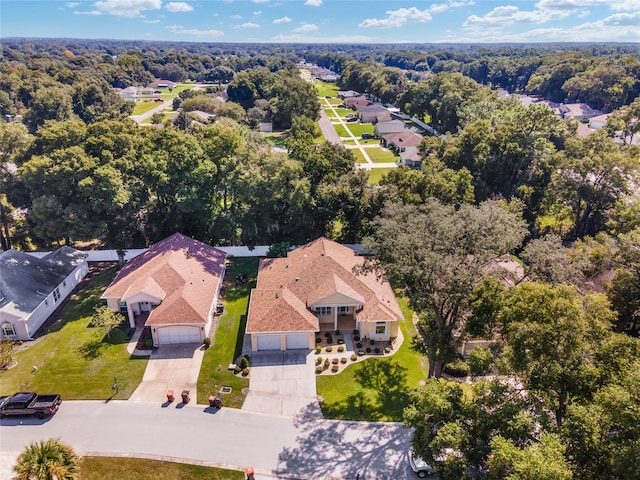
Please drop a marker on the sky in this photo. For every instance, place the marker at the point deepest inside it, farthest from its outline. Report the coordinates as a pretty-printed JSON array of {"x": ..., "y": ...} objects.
[{"x": 326, "y": 21}]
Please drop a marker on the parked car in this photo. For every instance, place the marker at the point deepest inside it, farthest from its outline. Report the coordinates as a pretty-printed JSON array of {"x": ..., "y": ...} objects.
[
  {"x": 29, "y": 403},
  {"x": 368, "y": 136},
  {"x": 418, "y": 465},
  {"x": 341, "y": 105},
  {"x": 352, "y": 119}
]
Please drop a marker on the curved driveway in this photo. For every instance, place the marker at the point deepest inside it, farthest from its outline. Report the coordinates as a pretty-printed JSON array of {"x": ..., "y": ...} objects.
[{"x": 299, "y": 447}]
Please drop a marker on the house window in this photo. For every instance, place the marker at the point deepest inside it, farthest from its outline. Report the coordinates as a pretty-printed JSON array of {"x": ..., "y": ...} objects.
[
  {"x": 56, "y": 295},
  {"x": 381, "y": 327},
  {"x": 122, "y": 306},
  {"x": 323, "y": 311},
  {"x": 343, "y": 310},
  {"x": 8, "y": 330},
  {"x": 64, "y": 283}
]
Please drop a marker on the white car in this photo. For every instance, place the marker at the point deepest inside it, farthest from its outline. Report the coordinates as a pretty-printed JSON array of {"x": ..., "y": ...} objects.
[{"x": 418, "y": 465}]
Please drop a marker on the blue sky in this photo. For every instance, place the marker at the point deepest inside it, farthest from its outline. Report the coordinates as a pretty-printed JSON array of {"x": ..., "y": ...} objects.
[{"x": 336, "y": 21}]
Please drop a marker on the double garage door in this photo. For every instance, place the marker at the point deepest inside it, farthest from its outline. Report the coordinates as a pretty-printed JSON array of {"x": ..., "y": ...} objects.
[
  {"x": 172, "y": 335},
  {"x": 294, "y": 341}
]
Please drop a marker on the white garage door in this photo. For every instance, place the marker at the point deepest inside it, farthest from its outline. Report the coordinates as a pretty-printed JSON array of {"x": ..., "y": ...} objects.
[
  {"x": 170, "y": 335},
  {"x": 297, "y": 340},
  {"x": 268, "y": 342}
]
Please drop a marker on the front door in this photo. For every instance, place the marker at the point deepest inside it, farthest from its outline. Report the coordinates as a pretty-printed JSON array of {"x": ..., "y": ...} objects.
[{"x": 144, "y": 307}]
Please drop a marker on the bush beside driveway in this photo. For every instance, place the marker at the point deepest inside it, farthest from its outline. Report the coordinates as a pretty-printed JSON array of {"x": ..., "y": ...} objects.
[{"x": 75, "y": 360}]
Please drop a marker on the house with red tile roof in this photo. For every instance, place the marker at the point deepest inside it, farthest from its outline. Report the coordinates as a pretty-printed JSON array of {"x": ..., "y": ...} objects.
[
  {"x": 176, "y": 283},
  {"x": 316, "y": 288}
]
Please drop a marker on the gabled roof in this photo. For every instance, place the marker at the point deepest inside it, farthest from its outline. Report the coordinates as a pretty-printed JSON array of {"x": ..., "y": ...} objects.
[
  {"x": 180, "y": 271},
  {"x": 348, "y": 93},
  {"x": 372, "y": 109},
  {"x": 392, "y": 126},
  {"x": 26, "y": 280},
  {"x": 357, "y": 101},
  {"x": 404, "y": 139},
  {"x": 310, "y": 274}
]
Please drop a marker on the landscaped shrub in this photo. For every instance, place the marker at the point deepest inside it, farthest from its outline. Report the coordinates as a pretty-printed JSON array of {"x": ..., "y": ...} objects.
[
  {"x": 326, "y": 363},
  {"x": 244, "y": 362},
  {"x": 387, "y": 350},
  {"x": 340, "y": 348},
  {"x": 335, "y": 361},
  {"x": 318, "y": 360},
  {"x": 372, "y": 342},
  {"x": 356, "y": 338},
  {"x": 340, "y": 342},
  {"x": 358, "y": 345},
  {"x": 318, "y": 349},
  {"x": 318, "y": 340},
  {"x": 329, "y": 339},
  {"x": 354, "y": 357},
  {"x": 480, "y": 361},
  {"x": 245, "y": 372},
  {"x": 376, "y": 350},
  {"x": 457, "y": 369},
  {"x": 329, "y": 348},
  {"x": 356, "y": 331},
  {"x": 148, "y": 342},
  {"x": 343, "y": 360},
  {"x": 368, "y": 349},
  {"x": 337, "y": 332},
  {"x": 327, "y": 334},
  {"x": 334, "y": 369},
  {"x": 360, "y": 353},
  {"x": 206, "y": 342},
  {"x": 319, "y": 369}
]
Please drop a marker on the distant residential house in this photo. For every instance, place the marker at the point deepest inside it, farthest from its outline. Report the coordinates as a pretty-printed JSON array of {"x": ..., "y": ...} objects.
[
  {"x": 599, "y": 121},
  {"x": 159, "y": 83},
  {"x": 200, "y": 115},
  {"x": 31, "y": 288},
  {"x": 329, "y": 77},
  {"x": 403, "y": 141},
  {"x": 132, "y": 94},
  {"x": 555, "y": 107},
  {"x": 373, "y": 114},
  {"x": 411, "y": 159},
  {"x": 265, "y": 127},
  {"x": 315, "y": 288},
  {"x": 175, "y": 285},
  {"x": 344, "y": 94},
  {"x": 357, "y": 102},
  {"x": 578, "y": 111},
  {"x": 583, "y": 130},
  {"x": 393, "y": 126}
]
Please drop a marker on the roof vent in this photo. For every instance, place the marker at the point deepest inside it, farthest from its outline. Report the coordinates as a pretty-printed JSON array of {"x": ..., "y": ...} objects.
[
  {"x": 297, "y": 278},
  {"x": 277, "y": 294}
]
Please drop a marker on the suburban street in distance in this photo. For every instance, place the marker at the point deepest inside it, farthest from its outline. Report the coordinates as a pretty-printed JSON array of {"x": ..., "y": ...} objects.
[{"x": 229, "y": 438}]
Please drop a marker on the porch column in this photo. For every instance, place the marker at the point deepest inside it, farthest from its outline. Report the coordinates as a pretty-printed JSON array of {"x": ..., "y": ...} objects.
[
  {"x": 132, "y": 318},
  {"x": 335, "y": 318}
]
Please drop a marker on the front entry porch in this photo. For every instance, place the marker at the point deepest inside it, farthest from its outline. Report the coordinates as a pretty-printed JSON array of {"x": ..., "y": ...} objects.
[{"x": 343, "y": 322}]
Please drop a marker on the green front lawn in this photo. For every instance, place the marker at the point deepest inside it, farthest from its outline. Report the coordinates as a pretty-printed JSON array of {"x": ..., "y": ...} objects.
[
  {"x": 77, "y": 361},
  {"x": 227, "y": 344},
  {"x": 377, "y": 389},
  {"x": 115, "y": 468},
  {"x": 378, "y": 155},
  {"x": 342, "y": 132},
  {"x": 143, "y": 106},
  {"x": 343, "y": 112},
  {"x": 375, "y": 175},
  {"x": 358, "y": 155},
  {"x": 326, "y": 88},
  {"x": 359, "y": 128}
]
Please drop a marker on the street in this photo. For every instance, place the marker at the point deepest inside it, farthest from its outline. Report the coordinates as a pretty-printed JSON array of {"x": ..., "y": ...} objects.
[{"x": 297, "y": 447}]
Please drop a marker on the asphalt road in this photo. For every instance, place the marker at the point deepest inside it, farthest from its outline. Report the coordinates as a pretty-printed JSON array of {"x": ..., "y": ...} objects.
[{"x": 297, "y": 447}]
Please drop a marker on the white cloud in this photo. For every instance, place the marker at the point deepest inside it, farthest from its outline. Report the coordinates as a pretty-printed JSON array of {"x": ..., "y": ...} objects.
[
  {"x": 127, "y": 8},
  {"x": 72, "y": 4},
  {"x": 443, "y": 7},
  {"x": 257, "y": 12},
  {"x": 179, "y": 7},
  {"x": 313, "y": 3},
  {"x": 622, "y": 19},
  {"x": 508, "y": 15},
  {"x": 398, "y": 18},
  {"x": 248, "y": 25},
  {"x": 569, "y": 4},
  {"x": 626, "y": 5},
  {"x": 306, "y": 28},
  {"x": 278, "y": 21},
  {"x": 260, "y": 1},
  {"x": 151, "y": 21},
  {"x": 180, "y": 30},
  {"x": 236, "y": 17},
  {"x": 90, "y": 12}
]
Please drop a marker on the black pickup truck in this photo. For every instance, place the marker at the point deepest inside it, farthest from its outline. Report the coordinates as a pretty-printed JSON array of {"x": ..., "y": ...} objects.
[{"x": 29, "y": 403}]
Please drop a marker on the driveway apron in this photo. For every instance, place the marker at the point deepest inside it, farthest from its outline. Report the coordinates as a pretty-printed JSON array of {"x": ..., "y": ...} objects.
[
  {"x": 283, "y": 383},
  {"x": 170, "y": 367}
]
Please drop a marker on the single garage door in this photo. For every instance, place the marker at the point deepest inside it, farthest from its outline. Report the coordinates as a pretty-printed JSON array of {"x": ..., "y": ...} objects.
[
  {"x": 297, "y": 340},
  {"x": 268, "y": 342},
  {"x": 171, "y": 335}
]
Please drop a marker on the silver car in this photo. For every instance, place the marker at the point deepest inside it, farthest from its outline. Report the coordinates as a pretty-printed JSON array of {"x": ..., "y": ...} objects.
[{"x": 418, "y": 465}]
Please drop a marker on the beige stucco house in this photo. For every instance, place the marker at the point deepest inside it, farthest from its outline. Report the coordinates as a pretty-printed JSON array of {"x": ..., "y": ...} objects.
[{"x": 316, "y": 288}]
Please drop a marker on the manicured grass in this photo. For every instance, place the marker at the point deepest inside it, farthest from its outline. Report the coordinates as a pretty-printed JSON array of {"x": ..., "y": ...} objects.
[
  {"x": 115, "y": 468},
  {"x": 334, "y": 101},
  {"x": 377, "y": 389},
  {"x": 342, "y": 112},
  {"x": 375, "y": 175},
  {"x": 77, "y": 361},
  {"x": 378, "y": 155},
  {"x": 143, "y": 106},
  {"x": 325, "y": 88},
  {"x": 227, "y": 344},
  {"x": 359, "y": 128},
  {"x": 276, "y": 138},
  {"x": 342, "y": 132},
  {"x": 358, "y": 155},
  {"x": 348, "y": 142}
]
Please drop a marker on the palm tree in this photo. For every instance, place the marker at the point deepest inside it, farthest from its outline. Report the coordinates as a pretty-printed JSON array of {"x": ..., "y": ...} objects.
[{"x": 47, "y": 460}]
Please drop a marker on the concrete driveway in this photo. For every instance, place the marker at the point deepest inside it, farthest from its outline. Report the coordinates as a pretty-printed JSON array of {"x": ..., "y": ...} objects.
[
  {"x": 283, "y": 383},
  {"x": 170, "y": 367}
]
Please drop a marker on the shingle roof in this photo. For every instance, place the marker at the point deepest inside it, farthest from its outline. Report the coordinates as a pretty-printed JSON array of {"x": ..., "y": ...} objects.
[
  {"x": 180, "y": 271},
  {"x": 309, "y": 274},
  {"x": 404, "y": 139},
  {"x": 26, "y": 280}
]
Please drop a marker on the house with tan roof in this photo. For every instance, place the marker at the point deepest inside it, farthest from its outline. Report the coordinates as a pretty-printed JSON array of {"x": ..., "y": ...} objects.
[
  {"x": 173, "y": 287},
  {"x": 402, "y": 142},
  {"x": 315, "y": 288}
]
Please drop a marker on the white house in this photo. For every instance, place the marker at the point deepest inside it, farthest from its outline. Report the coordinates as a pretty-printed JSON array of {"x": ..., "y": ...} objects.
[{"x": 31, "y": 288}]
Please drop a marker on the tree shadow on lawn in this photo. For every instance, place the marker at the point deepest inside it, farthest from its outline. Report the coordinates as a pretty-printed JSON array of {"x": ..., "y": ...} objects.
[
  {"x": 384, "y": 394},
  {"x": 346, "y": 449}
]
